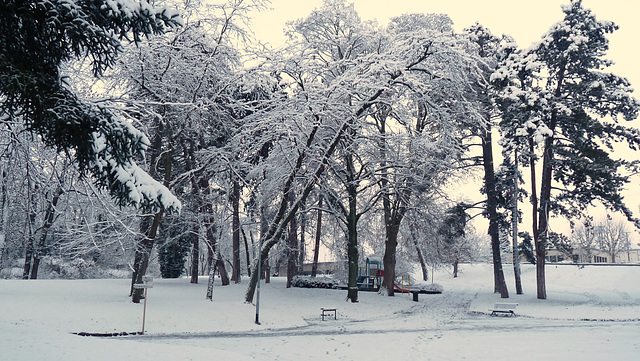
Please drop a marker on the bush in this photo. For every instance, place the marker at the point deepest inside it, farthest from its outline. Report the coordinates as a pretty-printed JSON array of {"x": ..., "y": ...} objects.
[{"x": 314, "y": 282}]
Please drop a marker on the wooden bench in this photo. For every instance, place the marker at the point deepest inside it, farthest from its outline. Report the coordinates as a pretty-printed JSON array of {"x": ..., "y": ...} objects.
[
  {"x": 508, "y": 308},
  {"x": 326, "y": 312}
]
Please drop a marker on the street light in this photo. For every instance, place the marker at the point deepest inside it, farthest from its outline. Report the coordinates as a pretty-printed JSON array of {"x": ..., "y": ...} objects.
[{"x": 258, "y": 290}]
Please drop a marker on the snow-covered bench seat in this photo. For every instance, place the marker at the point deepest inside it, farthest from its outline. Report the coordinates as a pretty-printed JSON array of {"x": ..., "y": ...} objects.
[{"x": 508, "y": 308}]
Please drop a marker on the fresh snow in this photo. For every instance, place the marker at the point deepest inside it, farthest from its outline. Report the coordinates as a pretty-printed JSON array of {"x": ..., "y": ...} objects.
[{"x": 592, "y": 313}]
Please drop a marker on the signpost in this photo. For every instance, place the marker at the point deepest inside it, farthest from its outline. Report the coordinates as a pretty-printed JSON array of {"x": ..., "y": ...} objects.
[{"x": 148, "y": 283}]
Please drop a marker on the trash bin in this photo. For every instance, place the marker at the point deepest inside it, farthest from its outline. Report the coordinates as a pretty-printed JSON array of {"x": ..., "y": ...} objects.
[{"x": 415, "y": 296}]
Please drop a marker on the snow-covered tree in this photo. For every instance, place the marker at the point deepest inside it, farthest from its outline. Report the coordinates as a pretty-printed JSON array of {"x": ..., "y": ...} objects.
[
  {"x": 561, "y": 110},
  {"x": 488, "y": 51},
  {"x": 336, "y": 84},
  {"x": 188, "y": 93},
  {"x": 37, "y": 37}
]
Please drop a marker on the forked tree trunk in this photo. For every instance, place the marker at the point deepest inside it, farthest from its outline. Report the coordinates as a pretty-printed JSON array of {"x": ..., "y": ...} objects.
[{"x": 49, "y": 217}]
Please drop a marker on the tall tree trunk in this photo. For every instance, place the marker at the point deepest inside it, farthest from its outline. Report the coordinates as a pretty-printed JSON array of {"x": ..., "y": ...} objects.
[
  {"x": 235, "y": 225},
  {"x": 292, "y": 249},
  {"x": 246, "y": 251},
  {"x": 352, "y": 243},
  {"x": 500, "y": 285},
  {"x": 195, "y": 258},
  {"x": 4, "y": 215},
  {"x": 214, "y": 254},
  {"x": 302, "y": 250},
  {"x": 423, "y": 264},
  {"x": 545, "y": 193},
  {"x": 516, "y": 253},
  {"x": 455, "y": 268},
  {"x": 224, "y": 277},
  {"x": 394, "y": 210},
  {"x": 543, "y": 218},
  {"x": 196, "y": 188},
  {"x": 31, "y": 226},
  {"x": 49, "y": 217},
  {"x": 28, "y": 254},
  {"x": 143, "y": 252},
  {"x": 145, "y": 246},
  {"x": 222, "y": 269},
  {"x": 212, "y": 273},
  {"x": 389, "y": 258},
  {"x": 316, "y": 250},
  {"x": 265, "y": 269},
  {"x": 534, "y": 193}
]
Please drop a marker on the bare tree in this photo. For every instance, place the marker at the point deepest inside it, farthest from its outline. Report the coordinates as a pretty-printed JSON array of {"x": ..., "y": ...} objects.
[
  {"x": 613, "y": 236},
  {"x": 584, "y": 237}
]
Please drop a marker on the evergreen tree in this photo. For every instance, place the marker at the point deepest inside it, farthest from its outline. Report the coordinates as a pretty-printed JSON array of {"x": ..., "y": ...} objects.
[
  {"x": 525, "y": 247},
  {"x": 173, "y": 247},
  {"x": 488, "y": 46},
  {"x": 36, "y": 38},
  {"x": 557, "y": 95}
]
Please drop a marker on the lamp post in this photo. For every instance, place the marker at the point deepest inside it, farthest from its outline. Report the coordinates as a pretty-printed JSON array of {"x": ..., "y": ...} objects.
[{"x": 258, "y": 289}]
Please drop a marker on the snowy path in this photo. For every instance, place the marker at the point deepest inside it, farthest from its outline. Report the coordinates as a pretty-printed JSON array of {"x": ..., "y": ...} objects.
[{"x": 473, "y": 339}]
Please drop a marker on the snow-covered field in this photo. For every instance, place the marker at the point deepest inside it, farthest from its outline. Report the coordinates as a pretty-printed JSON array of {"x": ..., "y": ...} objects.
[{"x": 591, "y": 313}]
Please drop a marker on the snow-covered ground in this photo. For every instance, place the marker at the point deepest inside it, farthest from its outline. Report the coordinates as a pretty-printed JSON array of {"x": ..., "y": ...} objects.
[{"x": 591, "y": 313}]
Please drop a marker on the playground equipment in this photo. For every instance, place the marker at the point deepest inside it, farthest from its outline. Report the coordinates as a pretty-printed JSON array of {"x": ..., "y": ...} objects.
[
  {"x": 370, "y": 276},
  {"x": 405, "y": 281},
  {"x": 370, "y": 279}
]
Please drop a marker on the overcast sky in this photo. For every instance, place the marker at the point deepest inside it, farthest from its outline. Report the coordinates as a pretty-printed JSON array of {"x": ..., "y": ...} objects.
[{"x": 525, "y": 20}]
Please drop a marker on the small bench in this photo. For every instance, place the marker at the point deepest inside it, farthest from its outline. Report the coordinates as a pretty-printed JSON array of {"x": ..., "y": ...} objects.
[
  {"x": 508, "y": 308},
  {"x": 326, "y": 312}
]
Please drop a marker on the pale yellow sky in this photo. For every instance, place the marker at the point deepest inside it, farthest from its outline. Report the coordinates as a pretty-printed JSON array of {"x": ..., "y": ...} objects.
[{"x": 526, "y": 21}]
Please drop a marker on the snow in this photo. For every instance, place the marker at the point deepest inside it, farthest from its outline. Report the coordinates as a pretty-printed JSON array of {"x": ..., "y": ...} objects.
[
  {"x": 139, "y": 185},
  {"x": 592, "y": 313}
]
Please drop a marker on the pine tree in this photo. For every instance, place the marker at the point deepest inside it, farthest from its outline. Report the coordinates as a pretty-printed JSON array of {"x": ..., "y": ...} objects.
[
  {"x": 36, "y": 38},
  {"x": 558, "y": 96},
  {"x": 488, "y": 51}
]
